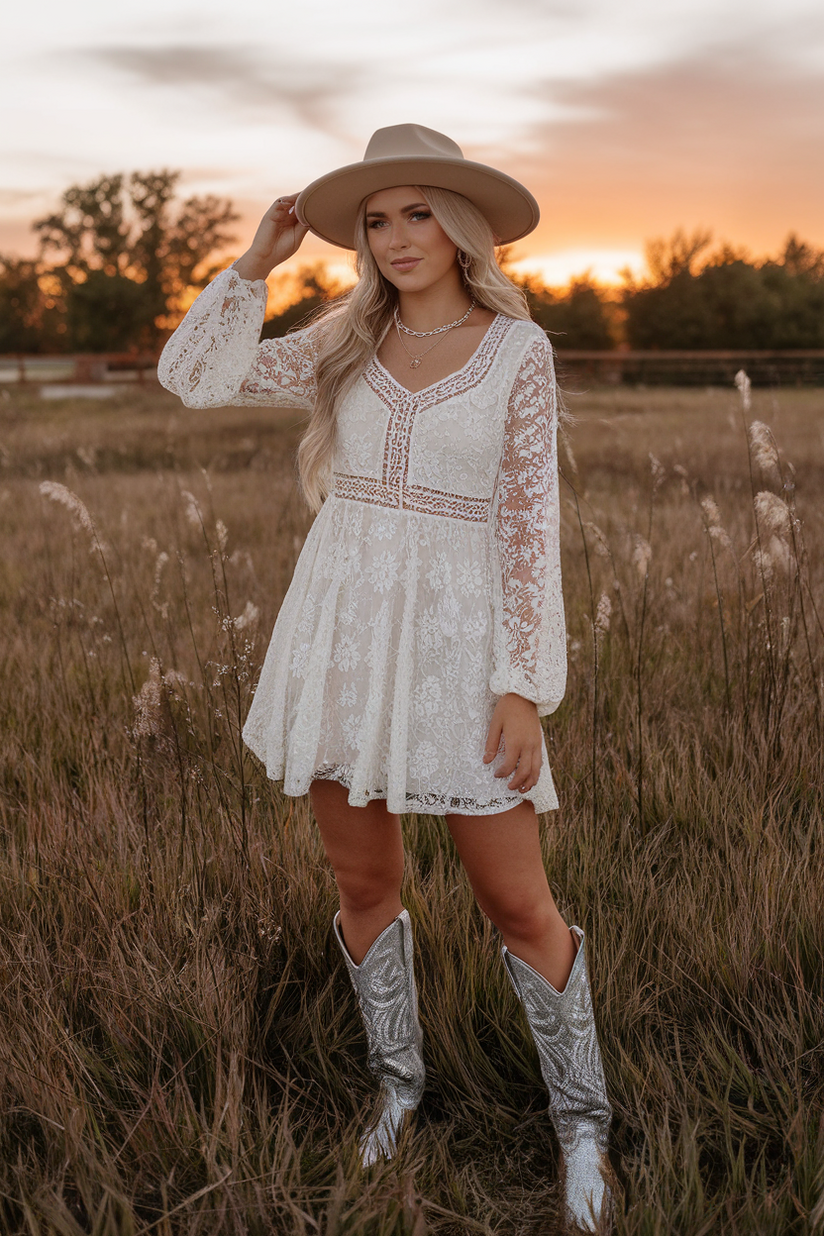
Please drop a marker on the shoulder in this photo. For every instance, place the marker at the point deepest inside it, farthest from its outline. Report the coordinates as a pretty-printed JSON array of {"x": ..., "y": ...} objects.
[
  {"x": 527, "y": 336},
  {"x": 526, "y": 329},
  {"x": 531, "y": 333},
  {"x": 527, "y": 345}
]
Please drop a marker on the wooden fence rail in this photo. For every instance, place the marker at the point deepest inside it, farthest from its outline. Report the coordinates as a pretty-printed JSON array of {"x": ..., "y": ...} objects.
[
  {"x": 82, "y": 368},
  {"x": 675, "y": 368}
]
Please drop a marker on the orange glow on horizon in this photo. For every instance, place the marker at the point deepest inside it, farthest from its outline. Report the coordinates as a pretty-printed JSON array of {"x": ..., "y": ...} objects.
[
  {"x": 556, "y": 269},
  {"x": 560, "y": 269}
]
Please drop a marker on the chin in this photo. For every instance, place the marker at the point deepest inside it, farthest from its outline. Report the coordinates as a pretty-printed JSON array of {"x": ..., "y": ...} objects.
[
  {"x": 412, "y": 282},
  {"x": 401, "y": 278}
]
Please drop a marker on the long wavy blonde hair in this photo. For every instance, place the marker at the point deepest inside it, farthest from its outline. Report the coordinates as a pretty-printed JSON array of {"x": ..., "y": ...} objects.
[{"x": 347, "y": 332}]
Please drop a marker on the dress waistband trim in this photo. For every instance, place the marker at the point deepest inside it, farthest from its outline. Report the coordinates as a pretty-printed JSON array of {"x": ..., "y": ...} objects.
[{"x": 411, "y": 498}]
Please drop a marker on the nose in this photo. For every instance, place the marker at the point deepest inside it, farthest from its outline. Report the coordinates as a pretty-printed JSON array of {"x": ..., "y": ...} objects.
[{"x": 399, "y": 238}]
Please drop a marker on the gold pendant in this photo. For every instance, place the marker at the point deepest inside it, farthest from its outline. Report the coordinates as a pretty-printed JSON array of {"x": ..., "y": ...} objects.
[{"x": 415, "y": 362}]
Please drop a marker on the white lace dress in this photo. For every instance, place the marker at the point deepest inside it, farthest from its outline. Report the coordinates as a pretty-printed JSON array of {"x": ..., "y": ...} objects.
[{"x": 429, "y": 584}]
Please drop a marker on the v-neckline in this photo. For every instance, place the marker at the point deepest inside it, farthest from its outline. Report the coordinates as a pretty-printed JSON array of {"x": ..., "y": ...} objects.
[{"x": 456, "y": 373}]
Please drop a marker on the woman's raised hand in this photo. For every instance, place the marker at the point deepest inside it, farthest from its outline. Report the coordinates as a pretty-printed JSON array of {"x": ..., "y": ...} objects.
[{"x": 278, "y": 236}]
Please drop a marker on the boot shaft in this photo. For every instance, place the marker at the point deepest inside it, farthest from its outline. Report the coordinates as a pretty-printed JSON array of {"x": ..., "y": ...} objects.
[
  {"x": 563, "y": 1028},
  {"x": 384, "y": 984}
]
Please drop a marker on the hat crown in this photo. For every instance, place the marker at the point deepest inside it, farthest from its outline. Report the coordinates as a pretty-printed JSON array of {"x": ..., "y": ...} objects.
[{"x": 411, "y": 141}]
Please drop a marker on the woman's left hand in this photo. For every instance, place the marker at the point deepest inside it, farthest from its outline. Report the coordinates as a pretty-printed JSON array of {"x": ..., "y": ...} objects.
[{"x": 516, "y": 720}]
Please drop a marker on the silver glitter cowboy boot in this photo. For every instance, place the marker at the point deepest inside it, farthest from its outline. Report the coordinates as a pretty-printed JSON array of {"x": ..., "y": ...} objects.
[
  {"x": 563, "y": 1028},
  {"x": 385, "y": 986}
]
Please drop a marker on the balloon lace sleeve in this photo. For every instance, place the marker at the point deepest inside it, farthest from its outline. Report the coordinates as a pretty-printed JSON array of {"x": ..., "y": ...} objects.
[
  {"x": 215, "y": 357},
  {"x": 529, "y": 653}
]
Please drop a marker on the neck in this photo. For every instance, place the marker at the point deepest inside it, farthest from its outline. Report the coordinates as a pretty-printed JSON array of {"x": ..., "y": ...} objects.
[{"x": 434, "y": 306}]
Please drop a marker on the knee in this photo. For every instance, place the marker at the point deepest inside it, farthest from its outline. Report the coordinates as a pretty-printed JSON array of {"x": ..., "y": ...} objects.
[
  {"x": 364, "y": 890},
  {"x": 522, "y": 919}
]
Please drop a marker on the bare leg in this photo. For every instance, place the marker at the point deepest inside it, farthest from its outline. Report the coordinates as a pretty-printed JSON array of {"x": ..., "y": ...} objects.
[
  {"x": 502, "y": 857},
  {"x": 365, "y": 847}
]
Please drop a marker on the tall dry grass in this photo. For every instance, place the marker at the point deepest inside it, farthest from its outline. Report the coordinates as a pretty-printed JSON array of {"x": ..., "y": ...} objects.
[{"x": 179, "y": 1046}]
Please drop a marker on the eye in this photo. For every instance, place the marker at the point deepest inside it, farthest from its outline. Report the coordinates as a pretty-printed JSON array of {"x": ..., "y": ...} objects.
[
  {"x": 375, "y": 223},
  {"x": 420, "y": 214}
]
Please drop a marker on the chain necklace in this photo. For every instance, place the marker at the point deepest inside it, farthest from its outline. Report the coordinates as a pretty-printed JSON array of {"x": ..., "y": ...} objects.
[
  {"x": 443, "y": 331},
  {"x": 439, "y": 330}
]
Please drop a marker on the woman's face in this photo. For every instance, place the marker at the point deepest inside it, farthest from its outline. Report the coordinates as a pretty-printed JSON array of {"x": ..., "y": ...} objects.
[{"x": 409, "y": 245}]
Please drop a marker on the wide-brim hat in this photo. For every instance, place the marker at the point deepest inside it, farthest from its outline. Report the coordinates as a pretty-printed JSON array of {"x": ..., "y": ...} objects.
[{"x": 410, "y": 154}]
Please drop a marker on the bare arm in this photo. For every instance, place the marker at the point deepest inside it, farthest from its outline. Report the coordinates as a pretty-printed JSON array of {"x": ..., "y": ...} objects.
[{"x": 278, "y": 237}]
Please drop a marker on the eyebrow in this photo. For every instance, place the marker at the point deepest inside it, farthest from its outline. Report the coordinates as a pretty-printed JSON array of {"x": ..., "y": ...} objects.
[{"x": 381, "y": 214}]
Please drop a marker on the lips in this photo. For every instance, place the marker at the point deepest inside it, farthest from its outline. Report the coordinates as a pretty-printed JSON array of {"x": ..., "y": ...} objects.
[{"x": 405, "y": 263}]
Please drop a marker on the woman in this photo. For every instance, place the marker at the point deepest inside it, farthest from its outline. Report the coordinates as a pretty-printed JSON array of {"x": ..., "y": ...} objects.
[{"x": 422, "y": 637}]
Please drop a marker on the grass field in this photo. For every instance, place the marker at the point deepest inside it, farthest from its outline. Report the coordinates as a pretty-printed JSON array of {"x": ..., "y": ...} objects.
[{"x": 180, "y": 1050}]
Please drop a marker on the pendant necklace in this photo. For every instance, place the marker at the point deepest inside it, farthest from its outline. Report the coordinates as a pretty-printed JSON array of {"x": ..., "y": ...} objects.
[{"x": 441, "y": 331}]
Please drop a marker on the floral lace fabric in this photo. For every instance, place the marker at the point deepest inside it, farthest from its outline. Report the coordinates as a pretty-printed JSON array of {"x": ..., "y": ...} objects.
[{"x": 429, "y": 584}]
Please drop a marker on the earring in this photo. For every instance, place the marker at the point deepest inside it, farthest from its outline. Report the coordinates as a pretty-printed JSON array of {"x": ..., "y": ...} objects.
[{"x": 464, "y": 260}]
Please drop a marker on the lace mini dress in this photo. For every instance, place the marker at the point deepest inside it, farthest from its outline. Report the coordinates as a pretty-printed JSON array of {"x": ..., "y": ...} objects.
[{"x": 429, "y": 584}]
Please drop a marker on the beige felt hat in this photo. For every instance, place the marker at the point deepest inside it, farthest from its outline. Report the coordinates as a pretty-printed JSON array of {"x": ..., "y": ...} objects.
[{"x": 409, "y": 154}]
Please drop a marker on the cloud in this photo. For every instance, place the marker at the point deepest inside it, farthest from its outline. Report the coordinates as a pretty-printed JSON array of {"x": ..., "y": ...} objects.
[
  {"x": 310, "y": 90},
  {"x": 16, "y": 197},
  {"x": 719, "y": 137}
]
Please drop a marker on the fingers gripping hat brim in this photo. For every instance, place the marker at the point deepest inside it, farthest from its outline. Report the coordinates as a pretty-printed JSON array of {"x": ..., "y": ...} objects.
[{"x": 330, "y": 205}]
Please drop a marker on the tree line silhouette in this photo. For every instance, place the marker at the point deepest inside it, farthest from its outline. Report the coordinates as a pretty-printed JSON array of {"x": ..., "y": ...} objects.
[{"x": 120, "y": 259}]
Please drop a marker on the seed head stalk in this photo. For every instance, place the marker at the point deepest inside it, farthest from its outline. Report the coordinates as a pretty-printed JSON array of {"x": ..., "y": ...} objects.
[{"x": 595, "y": 666}]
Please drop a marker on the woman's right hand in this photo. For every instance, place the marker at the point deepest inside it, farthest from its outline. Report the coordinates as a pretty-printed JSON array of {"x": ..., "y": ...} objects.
[{"x": 278, "y": 236}]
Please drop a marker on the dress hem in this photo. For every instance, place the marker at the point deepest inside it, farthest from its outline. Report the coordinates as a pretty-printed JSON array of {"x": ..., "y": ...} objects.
[
  {"x": 418, "y": 804},
  {"x": 543, "y": 797}
]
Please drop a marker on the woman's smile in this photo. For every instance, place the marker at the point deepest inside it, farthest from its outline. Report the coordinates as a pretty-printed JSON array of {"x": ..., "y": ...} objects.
[{"x": 405, "y": 263}]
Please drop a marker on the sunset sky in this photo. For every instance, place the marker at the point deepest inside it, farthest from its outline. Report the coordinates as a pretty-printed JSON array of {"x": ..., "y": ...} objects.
[{"x": 626, "y": 121}]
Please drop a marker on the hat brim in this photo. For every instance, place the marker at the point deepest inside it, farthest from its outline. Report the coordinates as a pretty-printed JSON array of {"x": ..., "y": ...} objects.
[{"x": 329, "y": 206}]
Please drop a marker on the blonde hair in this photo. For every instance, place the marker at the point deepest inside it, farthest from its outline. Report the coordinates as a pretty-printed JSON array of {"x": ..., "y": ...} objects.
[{"x": 348, "y": 332}]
